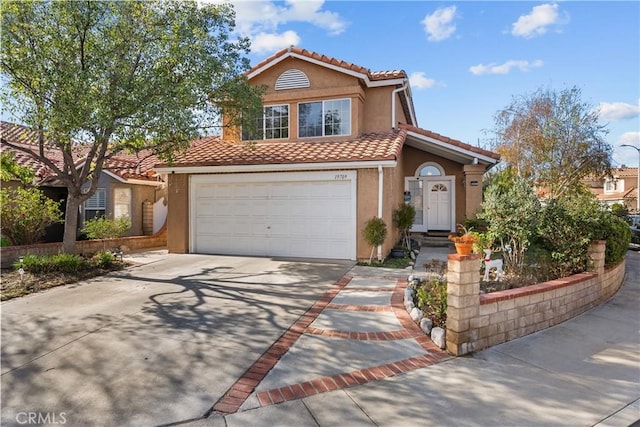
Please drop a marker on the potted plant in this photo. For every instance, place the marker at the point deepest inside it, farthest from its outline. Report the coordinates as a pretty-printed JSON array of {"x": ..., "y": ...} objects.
[{"x": 464, "y": 240}]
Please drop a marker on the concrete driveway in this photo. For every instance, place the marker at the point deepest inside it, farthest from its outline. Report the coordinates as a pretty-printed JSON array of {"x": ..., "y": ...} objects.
[{"x": 155, "y": 344}]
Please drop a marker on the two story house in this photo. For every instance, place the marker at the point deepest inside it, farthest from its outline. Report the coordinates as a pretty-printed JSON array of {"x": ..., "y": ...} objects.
[
  {"x": 619, "y": 188},
  {"x": 339, "y": 144}
]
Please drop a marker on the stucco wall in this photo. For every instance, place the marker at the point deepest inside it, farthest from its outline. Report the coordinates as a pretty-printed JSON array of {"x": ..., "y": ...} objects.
[
  {"x": 370, "y": 107},
  {"x": 178, "y": 214}
]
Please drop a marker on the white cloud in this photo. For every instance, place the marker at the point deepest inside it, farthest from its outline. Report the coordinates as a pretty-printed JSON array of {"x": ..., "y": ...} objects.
[
  {"x": 505, "y": 68},
  {"x": 631, "y": 138},
  {"x": 260, "y": 20},
  {"x": 616, "y": 111},
  {"x": 439, "y": 25},
  {"x": 271, "y": 42},
  {"x": 537, "y": 22},
  {"x": 419, "y": 80}
]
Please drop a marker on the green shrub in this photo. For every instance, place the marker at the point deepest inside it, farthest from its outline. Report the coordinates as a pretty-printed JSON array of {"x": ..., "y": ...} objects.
[
  {"x": 403, "y": 218},
  {"x": 4, "y": 242},
  {"x": 511, "y": 208},
  {"x": 67, "y": 263},
  {"x": 103, "y": 259},
  {"x": 62, "y": 263},
  {"x": 33, "y": 264},
  {"x": 375, "y": 233},
  {"x": 616, "y": 232},
  {"x": 105, "y": 228},
  {"x": 431, "y": 297},
  {"x": 26, "y": 213}
]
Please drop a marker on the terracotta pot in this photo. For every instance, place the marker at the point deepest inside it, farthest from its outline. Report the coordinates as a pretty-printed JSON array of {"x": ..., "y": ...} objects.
[{"x": 464, "y": 248}]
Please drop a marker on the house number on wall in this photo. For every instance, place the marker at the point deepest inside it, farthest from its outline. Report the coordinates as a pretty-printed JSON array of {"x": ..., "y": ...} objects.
[{"x": 340, "y": 176}]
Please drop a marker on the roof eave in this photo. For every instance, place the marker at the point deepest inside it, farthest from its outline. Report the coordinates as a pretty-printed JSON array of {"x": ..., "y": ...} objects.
[{"x": 280, "y": 167}]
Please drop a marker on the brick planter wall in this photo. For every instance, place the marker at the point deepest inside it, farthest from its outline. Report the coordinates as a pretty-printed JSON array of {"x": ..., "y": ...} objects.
[
  {"x": 9, "y": 254},
  {"x": 478, "y": 321}
]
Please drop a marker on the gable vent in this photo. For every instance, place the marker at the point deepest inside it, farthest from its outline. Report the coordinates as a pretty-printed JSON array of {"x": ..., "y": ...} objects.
[{"x": 292, "y": 79}]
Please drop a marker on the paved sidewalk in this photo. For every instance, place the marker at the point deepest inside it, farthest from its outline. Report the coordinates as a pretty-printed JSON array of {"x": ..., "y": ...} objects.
[{"x": 583, "y": 372}]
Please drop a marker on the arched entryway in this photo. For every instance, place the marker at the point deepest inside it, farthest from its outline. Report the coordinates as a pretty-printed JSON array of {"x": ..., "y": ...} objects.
[{"x": 432, "y": 194}]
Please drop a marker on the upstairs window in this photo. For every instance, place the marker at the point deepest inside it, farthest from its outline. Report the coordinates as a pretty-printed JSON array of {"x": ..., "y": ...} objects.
[
  {"x": 324, "y": 118},
  {"x": 274, "y": 124},
  {"x": 613, "y": 185}
]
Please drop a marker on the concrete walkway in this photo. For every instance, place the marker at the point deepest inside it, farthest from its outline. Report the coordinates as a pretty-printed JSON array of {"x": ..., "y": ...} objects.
[{"x": 348, "y": 362}]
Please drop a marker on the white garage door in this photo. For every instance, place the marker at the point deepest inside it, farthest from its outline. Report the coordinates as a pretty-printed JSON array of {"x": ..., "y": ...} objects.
[{"x": 308, "y": 215}]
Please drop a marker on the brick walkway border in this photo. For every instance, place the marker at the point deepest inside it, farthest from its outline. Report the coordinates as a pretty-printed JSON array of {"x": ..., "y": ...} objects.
[{"x": 238, "y": 393}]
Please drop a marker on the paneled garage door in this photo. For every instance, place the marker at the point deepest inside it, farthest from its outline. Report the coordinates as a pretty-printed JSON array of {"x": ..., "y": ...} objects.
[{"x": 308, "y": 215}]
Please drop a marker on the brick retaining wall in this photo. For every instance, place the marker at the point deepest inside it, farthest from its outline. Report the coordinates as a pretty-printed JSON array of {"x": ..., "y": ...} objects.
[
  {"x": 477, "y": 321},
  {"x": 9, "y": 254}
]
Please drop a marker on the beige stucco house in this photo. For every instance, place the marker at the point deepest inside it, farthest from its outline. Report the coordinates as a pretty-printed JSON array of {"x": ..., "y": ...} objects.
[
  {"x": 127, "y": 187},
  {"x": 339, "y": 145}
]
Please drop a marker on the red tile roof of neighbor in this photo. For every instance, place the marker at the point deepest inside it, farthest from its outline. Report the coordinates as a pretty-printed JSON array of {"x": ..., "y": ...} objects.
[
  {"x": 213, "y": 151},
  {"x": 372, "y": 75},
  {"x": 124, "y": 165}
]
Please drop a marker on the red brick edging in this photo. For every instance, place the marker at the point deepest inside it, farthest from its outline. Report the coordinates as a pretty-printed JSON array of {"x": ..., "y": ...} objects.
[{"x": 240, "y": 391}]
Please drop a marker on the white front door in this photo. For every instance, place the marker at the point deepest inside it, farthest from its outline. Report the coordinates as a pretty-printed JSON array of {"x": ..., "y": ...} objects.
[
  {"x": 433, "y": 202},
  {"x": 438, "y": 198}
]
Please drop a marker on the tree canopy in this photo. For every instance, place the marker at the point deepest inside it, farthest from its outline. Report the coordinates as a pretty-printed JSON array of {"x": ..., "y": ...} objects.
[
  {"x": 120, "y": 76},
  {"x": 552, "y": 139}
]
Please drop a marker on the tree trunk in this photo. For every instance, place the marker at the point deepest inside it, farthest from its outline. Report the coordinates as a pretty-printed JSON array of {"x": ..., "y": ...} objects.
[{"x": 70, "y": 225}]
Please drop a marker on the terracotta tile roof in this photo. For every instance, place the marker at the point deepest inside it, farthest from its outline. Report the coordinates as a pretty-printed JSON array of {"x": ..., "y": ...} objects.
[
  {"x": 374, "y": 76},
  {"x": 625, "y": 172},
  {"x": 451, "y": 141},
  {"x": 126, "y": 166},
  {"x": 213, "y": 151}
]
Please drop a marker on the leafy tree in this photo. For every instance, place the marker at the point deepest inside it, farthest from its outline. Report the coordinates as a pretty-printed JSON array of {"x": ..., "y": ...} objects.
[
  {"x": 511, "y": 207},
  {"x": 120, "y": 77},
  {"x": 10, "y": 170},
  {"x": 26, "y": 213},
  {"x": 552, "y": 139}
]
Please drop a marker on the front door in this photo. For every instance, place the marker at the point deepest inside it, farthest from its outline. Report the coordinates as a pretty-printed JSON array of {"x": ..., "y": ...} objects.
[
  {"x": 433, "y": 202},
  {"x": 438, "y": 198}
]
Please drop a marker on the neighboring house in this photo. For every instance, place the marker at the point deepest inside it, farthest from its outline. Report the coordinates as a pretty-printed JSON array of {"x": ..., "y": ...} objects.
[
  {"x": 619, "y": 188},
  {"x": 128, "y": 187},
  {"x": 339, "y": 145}
]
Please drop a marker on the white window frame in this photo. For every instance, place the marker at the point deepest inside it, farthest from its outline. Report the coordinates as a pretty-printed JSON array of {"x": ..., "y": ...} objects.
[
  {"x": 97, "y": 202},
  {"x": 263, "y": 122},
  {"x": 346, "y": 128}
]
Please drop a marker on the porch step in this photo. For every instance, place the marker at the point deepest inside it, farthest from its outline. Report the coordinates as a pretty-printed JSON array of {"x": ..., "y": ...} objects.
[{"x": 433, "y": 239}]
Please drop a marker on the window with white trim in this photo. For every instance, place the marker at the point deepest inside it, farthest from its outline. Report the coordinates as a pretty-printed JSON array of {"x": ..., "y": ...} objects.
[
  {"x": 324, "y": 118},
  {"x": 96, "y": 205},
  {"x": 614, "y": 185},
  {"x": 274, "y": 124}
]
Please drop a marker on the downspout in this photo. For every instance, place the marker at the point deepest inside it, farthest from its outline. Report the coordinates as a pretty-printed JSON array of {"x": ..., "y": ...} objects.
[
  {"x": 380, "y": 194},
  {"x": 393, "y": 103}
]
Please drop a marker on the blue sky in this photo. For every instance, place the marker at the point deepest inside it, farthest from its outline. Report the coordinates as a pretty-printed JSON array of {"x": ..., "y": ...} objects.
[{"x": 467, "y": 59}]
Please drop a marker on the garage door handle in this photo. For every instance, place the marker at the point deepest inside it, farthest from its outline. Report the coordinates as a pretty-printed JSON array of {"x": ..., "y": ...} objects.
[{"x": 268, "y": 227}]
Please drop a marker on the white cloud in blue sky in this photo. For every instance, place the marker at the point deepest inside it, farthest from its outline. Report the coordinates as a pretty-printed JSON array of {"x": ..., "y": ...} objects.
[
  {"x": 538, "y": 21},
  {"x": 419, "y": 80},
  {"x": 261, "y": 21},
  {"x": 439, "y": 24},
  {"x": 505, "y": 67},
  {"x": 616, "y": 111}
]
